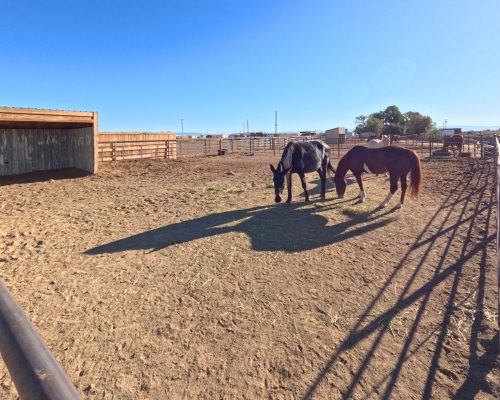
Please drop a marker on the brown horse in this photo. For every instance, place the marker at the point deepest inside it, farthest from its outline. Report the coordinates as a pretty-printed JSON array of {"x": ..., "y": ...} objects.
[
  {"x": 396, "y": 160},
  {"x": 455, "y": 141},
  {"x": 394, "y": 139}
]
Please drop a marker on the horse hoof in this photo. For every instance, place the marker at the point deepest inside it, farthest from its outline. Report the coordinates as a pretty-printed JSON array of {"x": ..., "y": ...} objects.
[{"x": 288, "y": 201}]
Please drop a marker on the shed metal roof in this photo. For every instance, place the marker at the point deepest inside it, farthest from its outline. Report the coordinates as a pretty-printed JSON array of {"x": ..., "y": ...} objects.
[{"x": 30, "y": 118}]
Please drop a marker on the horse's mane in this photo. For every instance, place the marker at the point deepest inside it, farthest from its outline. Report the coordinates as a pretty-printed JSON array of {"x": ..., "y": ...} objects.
[{"x": 286, "y": 157}]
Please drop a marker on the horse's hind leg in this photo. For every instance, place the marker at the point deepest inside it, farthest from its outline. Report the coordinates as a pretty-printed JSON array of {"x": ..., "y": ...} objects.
[
  {"x": 289, "y": 186},
  {"x": 359, "y": 179},
  {"x": 404, "y": 186},
  {"x": 302, "y": 179},
  {"x": 322, "y": 176},
  {"x": 394, "y": 186}
]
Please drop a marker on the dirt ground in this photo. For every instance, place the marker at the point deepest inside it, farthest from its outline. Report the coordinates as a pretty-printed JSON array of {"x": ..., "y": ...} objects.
[{"x": 182, "y": 279}]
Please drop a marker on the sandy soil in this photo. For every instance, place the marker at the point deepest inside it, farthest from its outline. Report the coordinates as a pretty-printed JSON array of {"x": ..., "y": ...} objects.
[{"x": 182, "y": 279}]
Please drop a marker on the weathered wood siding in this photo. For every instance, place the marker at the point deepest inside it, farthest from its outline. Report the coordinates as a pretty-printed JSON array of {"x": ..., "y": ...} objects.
[{"x": 27, "y": 150}]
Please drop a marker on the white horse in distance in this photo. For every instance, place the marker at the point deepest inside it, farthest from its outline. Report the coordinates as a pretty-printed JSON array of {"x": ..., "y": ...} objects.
[{"x": 378, "y": 143}]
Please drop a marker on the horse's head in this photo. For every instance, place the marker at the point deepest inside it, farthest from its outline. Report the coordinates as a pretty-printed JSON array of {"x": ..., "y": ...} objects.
[
  {"x": 340, "y": 186},
  {"x": 279, "y": 180}
]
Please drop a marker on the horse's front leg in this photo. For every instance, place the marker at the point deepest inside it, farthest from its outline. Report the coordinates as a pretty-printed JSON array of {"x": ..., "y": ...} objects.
[
  {"x": 359, "y": 179},
  {"x": 289, "y": 186},
  {"x": 302, "y": 179},
  {"x": 394, "y": 186}
]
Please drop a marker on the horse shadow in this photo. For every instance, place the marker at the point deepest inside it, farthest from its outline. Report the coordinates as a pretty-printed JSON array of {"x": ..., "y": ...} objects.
[
  {"x": 291, "y": 228},
  {"x": 330, "y": 185}
]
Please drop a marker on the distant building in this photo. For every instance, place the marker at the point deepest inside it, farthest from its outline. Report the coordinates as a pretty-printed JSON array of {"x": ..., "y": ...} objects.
[
  {"x": 307, "y": 133},
  {"x": 366, "y": 135},
  {"x": 335, "y": 135},
  {"x": 451, "y": 132}
]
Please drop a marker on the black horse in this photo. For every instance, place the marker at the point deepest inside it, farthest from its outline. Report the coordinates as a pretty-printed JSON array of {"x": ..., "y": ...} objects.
[{"x": 301, "y": 158}]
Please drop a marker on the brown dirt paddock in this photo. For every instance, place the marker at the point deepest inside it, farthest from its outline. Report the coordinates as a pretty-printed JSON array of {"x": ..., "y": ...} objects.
[{"x": 181, "y": 279}]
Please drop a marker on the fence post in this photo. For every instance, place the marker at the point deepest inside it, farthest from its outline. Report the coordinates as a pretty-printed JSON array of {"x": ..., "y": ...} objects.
[
  {"x": 113, "y": 151},
  {"x": 482, "y": 149}
]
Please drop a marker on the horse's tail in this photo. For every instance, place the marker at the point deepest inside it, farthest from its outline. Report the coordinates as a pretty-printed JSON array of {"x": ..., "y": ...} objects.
[
  {"x": 330, "y": 167},
  {"x": 416, "y": 175}
]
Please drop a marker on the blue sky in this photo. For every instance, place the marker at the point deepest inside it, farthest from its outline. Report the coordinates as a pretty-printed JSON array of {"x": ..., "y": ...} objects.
[{"x": 216, "y": 64}]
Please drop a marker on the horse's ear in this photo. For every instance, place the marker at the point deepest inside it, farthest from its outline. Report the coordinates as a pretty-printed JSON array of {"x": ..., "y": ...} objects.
[{"x": 272, "y": 168}]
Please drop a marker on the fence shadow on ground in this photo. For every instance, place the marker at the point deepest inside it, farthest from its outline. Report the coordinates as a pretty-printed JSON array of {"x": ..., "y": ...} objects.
[{"x": 449, "y": 271}]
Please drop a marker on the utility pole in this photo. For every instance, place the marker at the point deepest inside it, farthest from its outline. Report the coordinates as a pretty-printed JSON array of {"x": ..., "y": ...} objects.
[
  {"x": 182, "y": 126},
  {"x": 248, "y": 130},
  {"x": 445, "y": 122},
  {"x": 275, "y": 123}
]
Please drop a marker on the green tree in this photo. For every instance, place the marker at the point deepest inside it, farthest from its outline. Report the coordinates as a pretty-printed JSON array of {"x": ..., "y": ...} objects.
[
  {"x": 392, "y": 116},
  {"x": 360, "y": 120},
  {"x": 379, "y": 115},
  {"x": 392, "y": 130},
  {"x": 369, "y": 124},
  {"x": 416, "y": 123},
  {"x": 392, "y": 122},
  {"x": 374, "y": 125}
]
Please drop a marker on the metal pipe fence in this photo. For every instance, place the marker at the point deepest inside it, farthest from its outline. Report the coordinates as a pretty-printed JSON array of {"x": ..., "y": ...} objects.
[
  {"x": 33, "y": 369},
  {"x": 476, "y": 146}
]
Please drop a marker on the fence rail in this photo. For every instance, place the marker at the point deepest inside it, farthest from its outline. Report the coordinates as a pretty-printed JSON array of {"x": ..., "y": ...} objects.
[
  {"x": 477, "y": 146},
  {"x": 131, "y": 149},
  {"x": 213, "y": 146},
  {"x": 35, "y": 372}
]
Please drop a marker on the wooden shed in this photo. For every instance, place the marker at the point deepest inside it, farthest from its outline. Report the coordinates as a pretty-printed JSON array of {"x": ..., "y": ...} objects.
[
  {"x": 335, "y": 135},
  {"x": 41, "y": 140}
]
